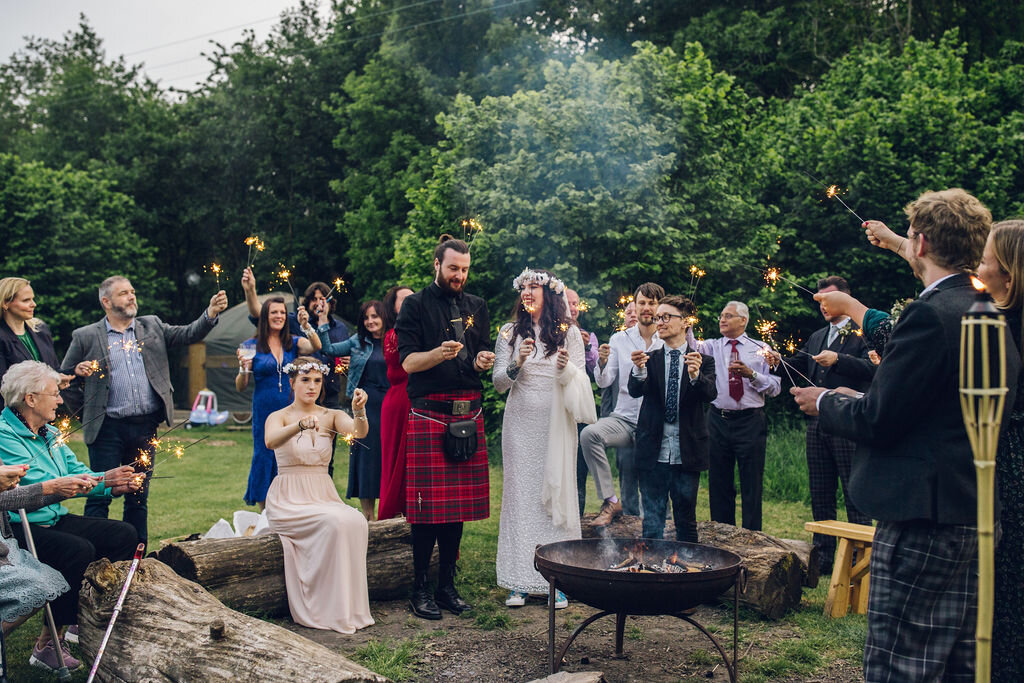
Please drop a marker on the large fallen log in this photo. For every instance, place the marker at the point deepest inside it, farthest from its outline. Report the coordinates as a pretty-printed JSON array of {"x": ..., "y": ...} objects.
[
  {"x": 171, "y": 629},
  {"x": 247, "y": 574},
  {"x": 775, "y": 570}
]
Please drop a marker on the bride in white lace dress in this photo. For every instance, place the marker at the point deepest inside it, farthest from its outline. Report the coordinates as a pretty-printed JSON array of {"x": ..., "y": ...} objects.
[{"x": 540, "y": 362}]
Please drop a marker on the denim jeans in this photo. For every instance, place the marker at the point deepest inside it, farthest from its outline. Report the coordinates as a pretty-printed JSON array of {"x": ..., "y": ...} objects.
[
  {"x": 120, "y": 442},
  {"x": 657, "y": 486}
]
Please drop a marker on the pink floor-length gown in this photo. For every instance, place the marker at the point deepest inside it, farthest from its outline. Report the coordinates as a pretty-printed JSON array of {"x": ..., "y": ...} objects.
[{"x": 324, "y": 539}]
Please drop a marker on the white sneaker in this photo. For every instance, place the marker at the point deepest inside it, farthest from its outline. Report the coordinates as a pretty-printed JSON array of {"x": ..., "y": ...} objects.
[
  {"x": 515, "y": 599},
  {"x": 561, "y": 602}
]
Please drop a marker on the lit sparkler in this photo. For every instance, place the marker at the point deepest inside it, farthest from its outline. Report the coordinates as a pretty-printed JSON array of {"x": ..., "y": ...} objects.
[
  {"x": 833, "y": 193},
  {"x": 583, "y": 306},
  {"x": 338, "y": 284},
  {"x": 696, "y": 274},
  {"x": 253, "y": 242},
  {"x": 284, "y": 274},
  {"x": 216, "y": 270},
  {"x": 471, "y": 227}
]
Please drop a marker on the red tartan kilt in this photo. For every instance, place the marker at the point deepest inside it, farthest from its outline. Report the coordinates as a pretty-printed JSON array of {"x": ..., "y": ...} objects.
[{"x": 438, "y": 491}]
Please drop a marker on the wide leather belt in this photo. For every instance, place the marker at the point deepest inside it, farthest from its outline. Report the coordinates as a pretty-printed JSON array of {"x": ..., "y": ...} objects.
[
  {"x": 447, "y": 407},
  {"x": 733, "y": 414}
]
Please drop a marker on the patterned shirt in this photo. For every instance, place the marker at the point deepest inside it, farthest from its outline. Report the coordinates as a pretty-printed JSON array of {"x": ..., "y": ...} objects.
[{"x": 131, "y": 394}]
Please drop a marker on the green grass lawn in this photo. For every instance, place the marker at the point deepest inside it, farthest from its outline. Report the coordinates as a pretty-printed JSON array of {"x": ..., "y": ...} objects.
[{"x": 209, "y": 481}]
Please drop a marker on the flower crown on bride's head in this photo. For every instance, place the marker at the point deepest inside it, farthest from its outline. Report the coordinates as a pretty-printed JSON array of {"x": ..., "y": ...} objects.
[
  {"x": 542, "y": 279},
  {"x": 291, "y": 368}
]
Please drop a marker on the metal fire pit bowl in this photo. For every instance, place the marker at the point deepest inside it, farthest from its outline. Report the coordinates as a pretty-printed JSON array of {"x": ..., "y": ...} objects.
[{"x": 581, "y": 570}]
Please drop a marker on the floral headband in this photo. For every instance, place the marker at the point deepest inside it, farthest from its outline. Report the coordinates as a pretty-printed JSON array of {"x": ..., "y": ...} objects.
[
  {"x": 542, "y": 279},
  {"x": 291, "y": 368}
]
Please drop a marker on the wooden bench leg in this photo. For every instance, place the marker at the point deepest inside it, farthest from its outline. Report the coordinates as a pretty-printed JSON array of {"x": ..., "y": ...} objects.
[
  {"x": 837, "y": 604},
  {"x": 860, "y": 577}
]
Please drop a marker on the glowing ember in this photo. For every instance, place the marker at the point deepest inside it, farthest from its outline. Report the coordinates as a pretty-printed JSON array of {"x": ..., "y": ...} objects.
[
  {"x": 832, "y": 191},
  {"x": 564, "y": 327},
  {"x": 583, "y": 306},
  {"x": 771, "y": 276},
  {"x": 348, "y": 438},
  {"x": 179, "y": 451},
  {"x": 766, "y": 328},
  {"x": 691, "y": 320}
]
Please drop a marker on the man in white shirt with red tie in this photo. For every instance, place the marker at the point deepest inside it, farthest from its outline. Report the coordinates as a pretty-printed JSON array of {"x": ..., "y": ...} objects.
[{"x": 737, "y": 426}]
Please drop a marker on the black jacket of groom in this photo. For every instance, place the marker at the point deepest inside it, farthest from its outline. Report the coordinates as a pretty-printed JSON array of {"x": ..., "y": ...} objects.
[
  {"x": 694, "y": 398},
  {"x": 913, "y": 459},
  {"x": 852, "y": 368}
]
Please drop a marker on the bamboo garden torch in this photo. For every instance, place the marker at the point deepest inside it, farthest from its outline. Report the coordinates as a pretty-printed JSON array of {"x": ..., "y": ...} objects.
[{"x": 983, "y": 390}]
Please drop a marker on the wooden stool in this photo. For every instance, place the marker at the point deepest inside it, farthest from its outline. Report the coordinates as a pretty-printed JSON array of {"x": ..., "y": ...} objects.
[{"x": 849, "y": 585}]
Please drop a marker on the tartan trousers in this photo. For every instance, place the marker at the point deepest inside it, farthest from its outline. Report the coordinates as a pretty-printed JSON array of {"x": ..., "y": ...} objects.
[
  {"x": 922, "y": 603},
  {"x": 828, "y": 459}
]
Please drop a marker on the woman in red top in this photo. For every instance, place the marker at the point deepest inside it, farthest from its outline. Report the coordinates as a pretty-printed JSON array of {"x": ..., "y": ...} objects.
[{"x": 394, "y": 414}]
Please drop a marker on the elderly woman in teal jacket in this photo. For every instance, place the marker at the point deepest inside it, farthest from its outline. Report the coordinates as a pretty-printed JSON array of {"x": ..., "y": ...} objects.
[
  {"x": 65, "y": 541},
  {"x": 367, "y": 371}
]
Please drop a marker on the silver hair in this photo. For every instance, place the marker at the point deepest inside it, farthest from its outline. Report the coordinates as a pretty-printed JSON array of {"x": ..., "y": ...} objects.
[
  {"x": 741, "y": 310},
  {"x": 107, "y": 286},
  {"x": 26, "y": 377}
]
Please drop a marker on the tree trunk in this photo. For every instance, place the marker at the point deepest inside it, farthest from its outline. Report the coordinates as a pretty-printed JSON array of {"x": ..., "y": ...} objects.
[
  {"x": 247, "y": 574},
  {"x": 170, "y": 629},
  {"x": 776, "y": 569}
]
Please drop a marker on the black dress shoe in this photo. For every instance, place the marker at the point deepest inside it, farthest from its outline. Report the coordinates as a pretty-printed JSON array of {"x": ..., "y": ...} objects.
[
  {"x": 448, "y": 598},
  {"x": 423, "y": 606}
]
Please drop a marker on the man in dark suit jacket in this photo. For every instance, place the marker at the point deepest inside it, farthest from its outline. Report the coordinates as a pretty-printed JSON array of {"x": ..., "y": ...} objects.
[
  {"x": 913, "y": 469},
  {"x": 671, "y": 450},
  {"x": 834, "y": 356},
  {"x": 131, "y": 392}
]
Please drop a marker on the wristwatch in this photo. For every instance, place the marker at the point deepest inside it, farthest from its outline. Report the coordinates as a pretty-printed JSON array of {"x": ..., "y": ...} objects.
[{"x": 753, "y": 375}]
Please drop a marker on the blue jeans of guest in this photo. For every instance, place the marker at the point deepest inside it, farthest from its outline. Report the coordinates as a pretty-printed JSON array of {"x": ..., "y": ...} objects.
[
  {"x": 120, "y": 442},
  {"x": 657, "y": 486}
]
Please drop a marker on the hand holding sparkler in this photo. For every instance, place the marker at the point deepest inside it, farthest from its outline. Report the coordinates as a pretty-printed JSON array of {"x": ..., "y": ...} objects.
[
  {"x": 86, "y": 368},
  {"x": 449, "y": 349},
  {"x": 881, "y": 236},
  {"x": 562, "y": 358},
  {"x": 10, "y": 475},
  {"x": 639, "y": 359},
  {"x": 359, "y": 398},
  {"x": 603, "y": 352},
  {"x": 826, "y": 358},
  {"x": 73, "y": 485},
  {"x": 525, "y": 351},
  {"x": 248, "y": 280},
  {"x": 64, "y": 382},
  {"x": 218, "y": 303},
  {"x": 122, "y": 480},
  {"x": 807, "y": 398},
  {"x": 484, "y": 361},
  {"x": 693, "y": 362}
]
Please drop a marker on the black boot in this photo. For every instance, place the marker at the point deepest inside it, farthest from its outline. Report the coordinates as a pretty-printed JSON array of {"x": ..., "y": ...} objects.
[
  {"x": 446, "y": 595},
  {"x": 421, "y": 603}
]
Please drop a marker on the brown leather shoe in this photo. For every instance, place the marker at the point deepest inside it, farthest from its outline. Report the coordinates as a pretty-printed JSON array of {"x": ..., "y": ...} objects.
[{"x": 609, "y": 511}]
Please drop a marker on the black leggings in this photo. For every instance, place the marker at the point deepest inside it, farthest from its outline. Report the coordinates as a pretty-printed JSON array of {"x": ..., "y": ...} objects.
[
  {"x": 70, "y": 545},
  {"x": 448, "y": 537}
]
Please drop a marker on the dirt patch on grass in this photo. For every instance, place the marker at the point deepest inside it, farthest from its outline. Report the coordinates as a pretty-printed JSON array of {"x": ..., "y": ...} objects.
[{"x": 655, "y": 648}]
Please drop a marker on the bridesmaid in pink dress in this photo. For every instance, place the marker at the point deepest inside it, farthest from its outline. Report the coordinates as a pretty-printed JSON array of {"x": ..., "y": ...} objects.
[
  {"x": 394, "y": 414},
  {"x": 324, "y": 539}
]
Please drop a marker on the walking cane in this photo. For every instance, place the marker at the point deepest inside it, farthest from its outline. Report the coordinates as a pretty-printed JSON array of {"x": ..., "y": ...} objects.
[
  {"x": 117, "y": 609},
  {"x": 62, "y": 671}
]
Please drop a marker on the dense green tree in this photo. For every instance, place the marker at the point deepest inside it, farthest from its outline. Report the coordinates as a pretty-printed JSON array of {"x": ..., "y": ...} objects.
[{"x": 67, "y": 230}]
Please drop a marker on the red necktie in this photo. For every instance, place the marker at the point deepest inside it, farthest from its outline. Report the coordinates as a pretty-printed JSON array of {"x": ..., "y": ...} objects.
[{"x": 735, "y": 381}]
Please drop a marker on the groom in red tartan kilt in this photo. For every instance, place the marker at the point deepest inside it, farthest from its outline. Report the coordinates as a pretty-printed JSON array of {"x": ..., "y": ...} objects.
[{"x": 444, "y": 343}]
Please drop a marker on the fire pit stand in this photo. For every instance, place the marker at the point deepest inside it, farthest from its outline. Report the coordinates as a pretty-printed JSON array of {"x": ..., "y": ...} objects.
[
  {"x": 573, "y": 567},
  {"x": 620, "y": 628}
]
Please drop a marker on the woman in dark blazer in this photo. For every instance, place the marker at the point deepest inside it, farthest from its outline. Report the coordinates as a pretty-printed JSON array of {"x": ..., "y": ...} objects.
[{"x": 22, "y": 335}]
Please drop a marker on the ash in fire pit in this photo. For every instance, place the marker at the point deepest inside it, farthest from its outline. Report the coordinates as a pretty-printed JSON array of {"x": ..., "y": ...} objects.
[{"x": 636, "y": 564}]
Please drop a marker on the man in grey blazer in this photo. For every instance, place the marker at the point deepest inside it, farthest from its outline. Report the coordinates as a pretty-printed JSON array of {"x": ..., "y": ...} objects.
[{"x": 130, "y": 394}]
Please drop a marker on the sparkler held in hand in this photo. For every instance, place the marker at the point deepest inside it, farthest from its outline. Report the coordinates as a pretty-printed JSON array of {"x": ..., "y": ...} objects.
[
  {"x": 253, "y": 241},
  {"x": 833, "y": 193}
]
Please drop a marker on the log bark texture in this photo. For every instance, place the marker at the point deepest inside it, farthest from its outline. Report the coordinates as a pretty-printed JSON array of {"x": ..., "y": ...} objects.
[
  {"x": 247, "y": 574},
  {"x": 776, "y": 572},
  {"x": 170, "y": 629}
]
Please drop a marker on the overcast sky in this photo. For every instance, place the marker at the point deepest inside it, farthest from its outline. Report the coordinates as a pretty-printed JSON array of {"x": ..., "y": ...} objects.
[{"x": 142, "y": 29}]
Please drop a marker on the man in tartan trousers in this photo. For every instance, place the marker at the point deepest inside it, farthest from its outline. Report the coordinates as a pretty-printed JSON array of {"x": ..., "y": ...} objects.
[
  {"x": 833, "y": 356},
  {"x": 913, "y": 469},
  {"x": 444, "y": 343}
]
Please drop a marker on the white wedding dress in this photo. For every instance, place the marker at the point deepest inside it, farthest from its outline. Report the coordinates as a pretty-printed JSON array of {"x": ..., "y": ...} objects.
[{"x": 531, "y": 426}]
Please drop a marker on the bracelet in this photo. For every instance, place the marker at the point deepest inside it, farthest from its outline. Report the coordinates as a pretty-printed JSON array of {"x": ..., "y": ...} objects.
[
  {"x": 308, "y": 330},
  {"x": 359, "y": 415},
  {"x": 512, "y": 371}
]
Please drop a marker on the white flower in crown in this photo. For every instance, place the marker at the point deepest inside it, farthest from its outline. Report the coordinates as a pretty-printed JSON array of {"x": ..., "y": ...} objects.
[
  {"x": 289, "y": 368},
  {"x": 542, "y": 279}
]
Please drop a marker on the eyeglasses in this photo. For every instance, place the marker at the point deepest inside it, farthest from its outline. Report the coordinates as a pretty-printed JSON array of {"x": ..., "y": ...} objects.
[
  {"x": 665, "y": 317},
  {"x": 40, "y": 393},
  {"x": 729, "y": 316}
]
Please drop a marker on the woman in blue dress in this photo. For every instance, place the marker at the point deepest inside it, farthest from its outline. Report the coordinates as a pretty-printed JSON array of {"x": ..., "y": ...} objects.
[
  {"x": 275, "y": 348},
  {"x": 367, "y": 371}
]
